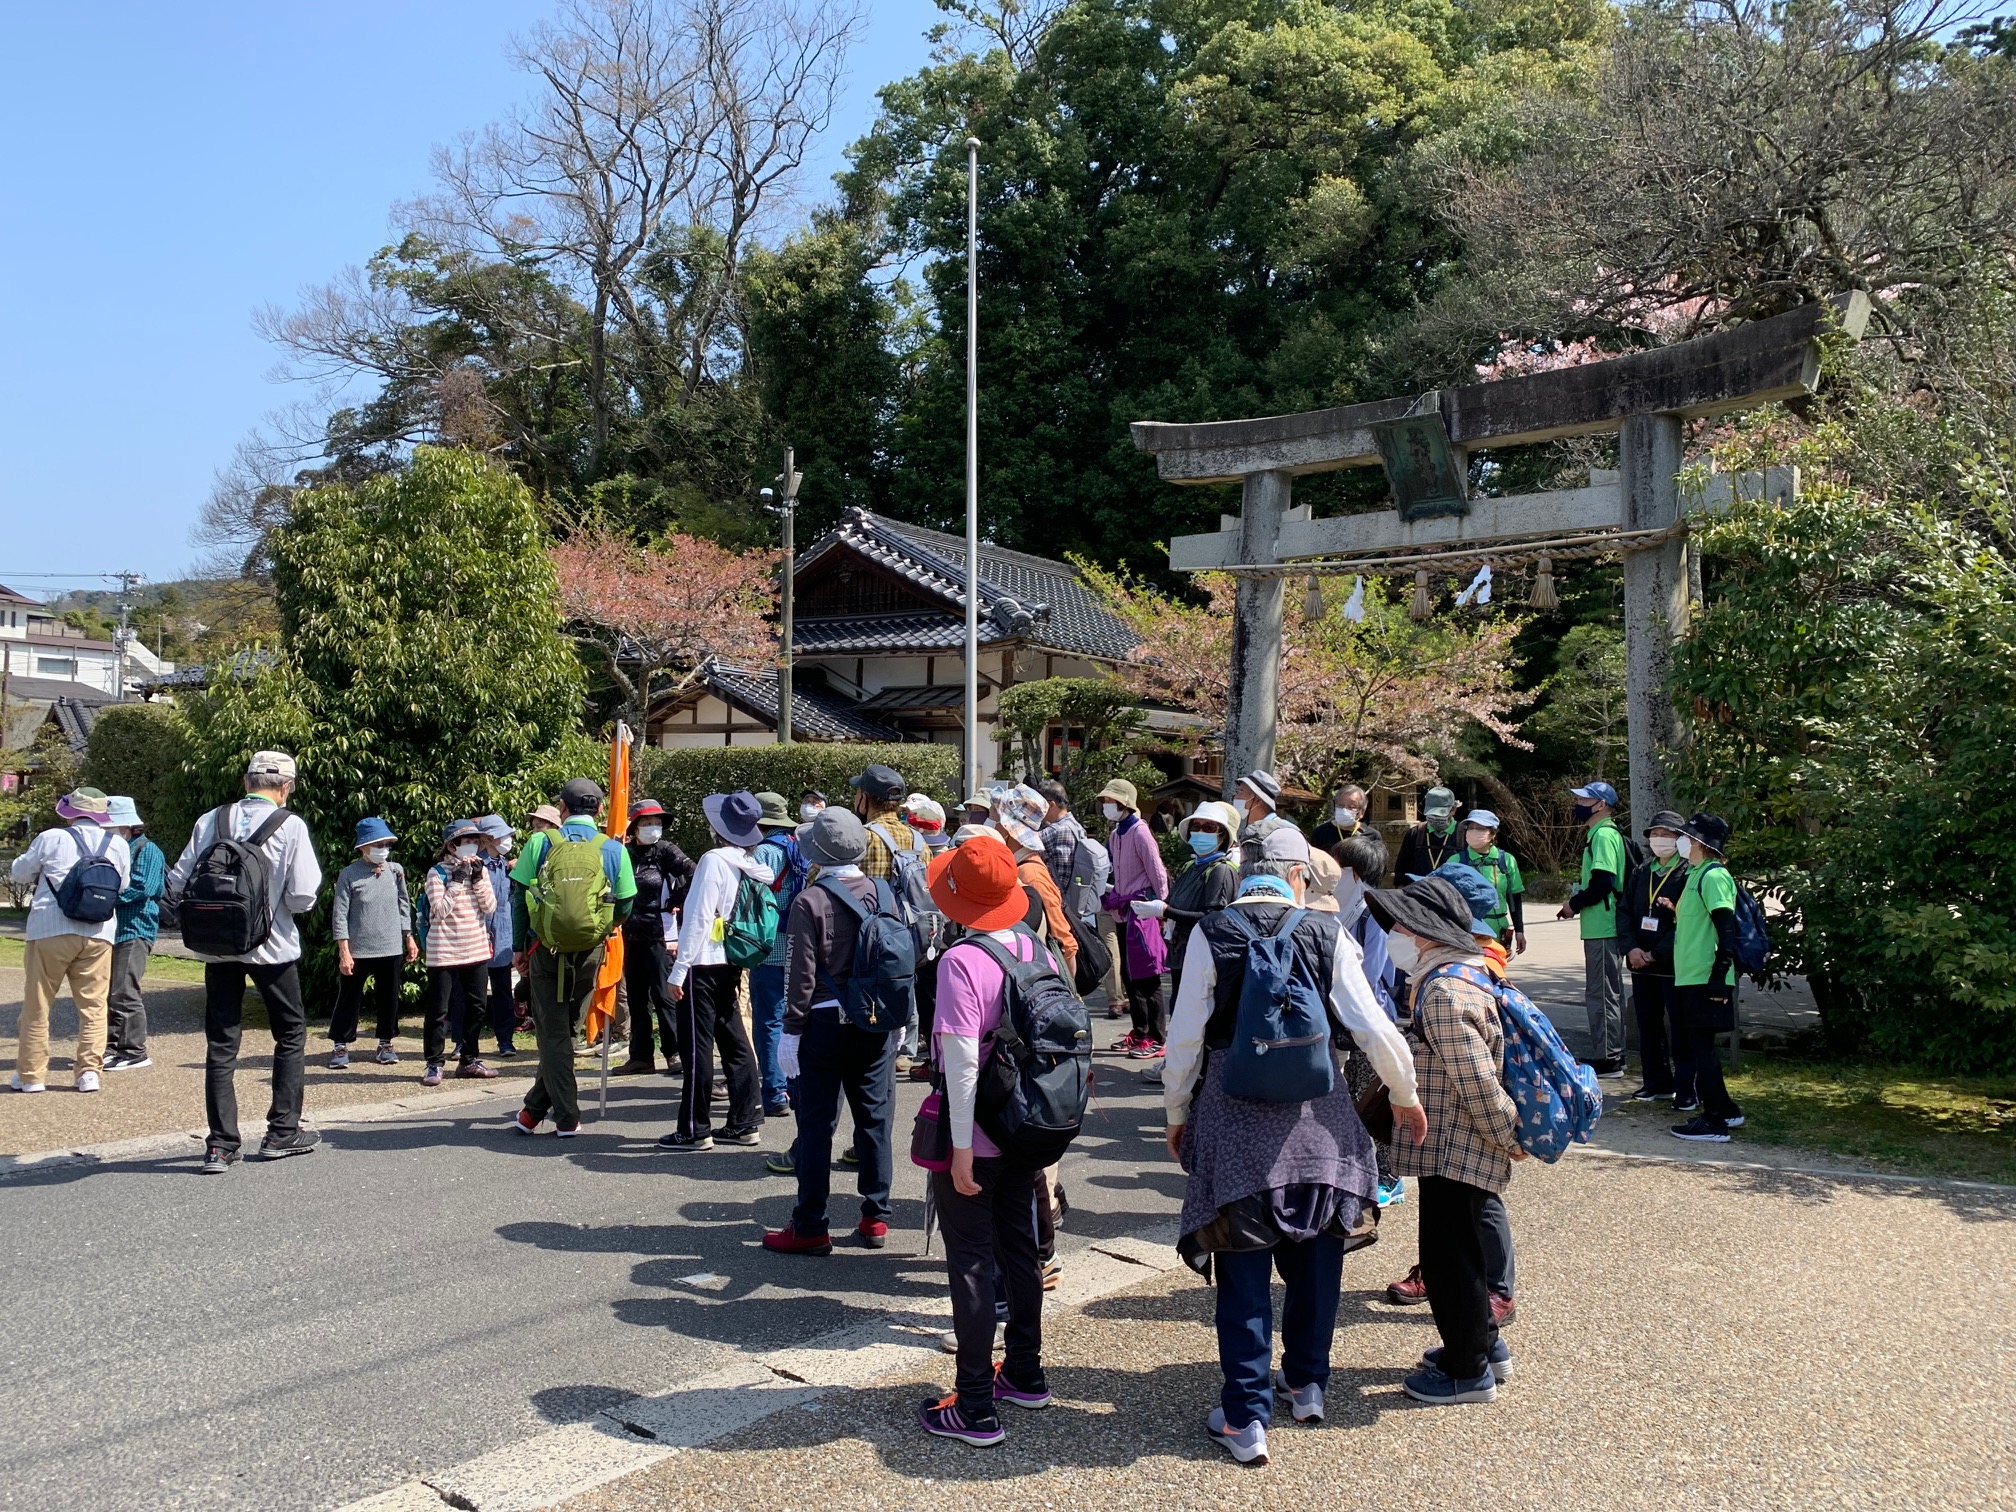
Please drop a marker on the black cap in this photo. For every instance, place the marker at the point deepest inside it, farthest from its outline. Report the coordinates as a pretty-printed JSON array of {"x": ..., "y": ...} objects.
[
  {"x": 581, "y": 795},
  {"x": 1665, "y": 819},
  {"x": 883, "y": 782},
  {"x": 1712, "y": 830}
]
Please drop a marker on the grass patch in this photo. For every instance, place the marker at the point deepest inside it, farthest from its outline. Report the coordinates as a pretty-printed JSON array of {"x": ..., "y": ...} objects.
[
  {"x": 1895, "y": 1118},
  {"x": 161, "y": 968}
]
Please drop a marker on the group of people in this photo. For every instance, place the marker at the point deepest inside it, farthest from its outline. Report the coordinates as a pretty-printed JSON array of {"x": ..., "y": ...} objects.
[{"x": 874, "y": 943}]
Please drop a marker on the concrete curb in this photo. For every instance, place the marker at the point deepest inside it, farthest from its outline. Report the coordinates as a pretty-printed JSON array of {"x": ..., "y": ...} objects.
[
  {"x": 550, "y": 1467},
  {"x": 1832, "y": 1173}
]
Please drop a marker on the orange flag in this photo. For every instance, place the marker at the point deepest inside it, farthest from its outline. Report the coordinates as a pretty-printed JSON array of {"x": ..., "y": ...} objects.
[{"x": 602, "y": 1007}]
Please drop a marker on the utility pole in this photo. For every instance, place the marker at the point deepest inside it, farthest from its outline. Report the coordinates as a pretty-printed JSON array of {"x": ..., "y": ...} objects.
[
  {"x": 787, "y": 483},
  {"x": 128, "y": 581},
  {"x": 973, "y": 773}
]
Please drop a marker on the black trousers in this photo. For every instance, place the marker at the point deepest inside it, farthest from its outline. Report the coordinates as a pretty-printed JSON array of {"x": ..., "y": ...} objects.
[
  {"x": 985, "y": 1235},
  {"x": 1662, "y": 1051},
  {"x": 1145, "y": 1006},
  {"x": 1452, "y": 1267},
  {"x": 1705, "y": 1057},
  {"x": 451, "y": 992},
  {"x": 473, "y": 1007},
  {"x": 710, "y": 1020},
  {"x": 223, "y": 1029},
  {"x": 373, "y": 980},
  {"x": 645, "y": 968}
]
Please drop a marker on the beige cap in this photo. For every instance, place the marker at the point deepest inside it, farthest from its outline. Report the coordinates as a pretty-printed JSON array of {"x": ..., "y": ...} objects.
[
  {"x": 271, "y": 764},
  {"x": 547, "y": 813}
]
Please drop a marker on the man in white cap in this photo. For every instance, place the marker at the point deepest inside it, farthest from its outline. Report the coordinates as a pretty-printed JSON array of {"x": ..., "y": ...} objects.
[
  {"x": 1258, "y": 799},
  {"x": 75, "y": 874},
  {"x": 139, "y": 926},
  {"x": 251, "y": 848}
]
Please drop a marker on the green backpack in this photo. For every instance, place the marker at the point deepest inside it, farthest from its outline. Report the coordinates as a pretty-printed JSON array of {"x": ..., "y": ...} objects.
[
  {"x": 569, "y": 903},
  {"x": 752, "y": 927}
]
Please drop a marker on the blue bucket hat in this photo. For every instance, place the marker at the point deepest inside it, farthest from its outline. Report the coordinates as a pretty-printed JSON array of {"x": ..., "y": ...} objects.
[
  {"x": 373, "y": 831},
  {"x": 735, "y": 816},
  {"x": 493, "y": 826},
  {"x": 1477, "y": 892},
  {"x": 460, "y": 829},
  {"x": 1598, "y": 790}
]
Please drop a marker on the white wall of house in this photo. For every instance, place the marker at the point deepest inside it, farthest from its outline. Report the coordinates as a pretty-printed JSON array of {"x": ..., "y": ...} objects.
[
  {"x": 57, "y": 659},
  {"x": 712, "y": 722}
]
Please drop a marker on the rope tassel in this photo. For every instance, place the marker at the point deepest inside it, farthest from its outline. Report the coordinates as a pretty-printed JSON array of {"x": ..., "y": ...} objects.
[
  {"x": 1543, "y": 586},
  {"x": 1421, "y": 608}
]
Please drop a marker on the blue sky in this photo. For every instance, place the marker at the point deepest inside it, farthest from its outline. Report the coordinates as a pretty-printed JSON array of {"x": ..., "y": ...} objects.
[{"x": 174, "y": 167}]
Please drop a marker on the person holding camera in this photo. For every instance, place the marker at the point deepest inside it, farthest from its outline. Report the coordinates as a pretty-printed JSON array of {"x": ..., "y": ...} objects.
[{"x": 459, "y": 903}]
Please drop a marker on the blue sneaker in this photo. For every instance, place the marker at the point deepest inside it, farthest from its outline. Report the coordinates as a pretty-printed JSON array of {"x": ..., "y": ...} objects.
[
  {"x": 1440, "y": 1389},
  {"x": 1501, "y": 1359},
  {"x": 1392, "y": 1191},
  {"x": 1247, "y": 1445}
]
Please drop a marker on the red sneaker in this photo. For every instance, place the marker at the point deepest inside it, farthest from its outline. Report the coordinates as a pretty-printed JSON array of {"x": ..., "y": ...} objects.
[
  {"x": 873, "y": 1233},
  {"x": 1408, "y": 1290},
  {"x": 524, "y": 1122},
  {"x": 788, "y": 1241},
  {"x": 1503, "y": 1310}
]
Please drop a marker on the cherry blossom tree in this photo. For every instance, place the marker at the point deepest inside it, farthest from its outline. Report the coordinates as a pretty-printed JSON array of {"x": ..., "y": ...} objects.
[{"x": 656, "y": 614}]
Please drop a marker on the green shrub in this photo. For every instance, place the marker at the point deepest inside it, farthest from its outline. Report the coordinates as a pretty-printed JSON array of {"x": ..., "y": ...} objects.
[
  {"x": 680, "y": 779},
  {"x": 138, "y": 749}
]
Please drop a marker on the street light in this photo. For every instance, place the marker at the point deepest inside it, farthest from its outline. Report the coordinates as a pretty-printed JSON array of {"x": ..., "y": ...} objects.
[{"x": 789, "y": 480}]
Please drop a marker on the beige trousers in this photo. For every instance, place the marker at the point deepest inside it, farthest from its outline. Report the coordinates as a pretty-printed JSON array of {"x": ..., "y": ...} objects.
[
  {"x": 88, "y": 965},
  {"x": 1109, "y": 931}
]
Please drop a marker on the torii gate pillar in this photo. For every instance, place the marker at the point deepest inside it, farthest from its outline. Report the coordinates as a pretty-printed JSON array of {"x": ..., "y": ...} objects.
[
  {"x": 1254, "y": 699},
  {"x": 1655, "y": 605}
]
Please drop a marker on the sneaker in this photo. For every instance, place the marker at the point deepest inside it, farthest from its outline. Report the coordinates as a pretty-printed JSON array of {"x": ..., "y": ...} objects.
[
  {"x": 1500, "y": 1358},
  {"x": 921, "y": 1071},
  {"x": 1247, "y": 1445},
  {"x": 1392, "y": 1191},
  {"x": 1305, "y": 1403},
  {"x": 1113, "y": 1012},
  {"x": 1152, "y": 1077},
  {"x": 431, "y": 1077},
  {"x": 20, "y": 1086},
  {"x": 523, "y": 1122},
  {"x": 1733, "y": 1121},
  {"x": 339, "y": 1059},
  {"x": 949, "y": 1340},
  {"x": 386, "y": 1056},
  {"x": 475, "y": 1070},
  {"x": 739, "y": 1137},
  {"x": 1125, "y": 1044},
  {"x": 1032, "y": 1396},
  {"x": 1609, "y": 1070},
  {"x": 850, "y": 1156},
  {"x": 788, "y": 1241},
  {"x": 217, "y": 1160},
  {"x": 1053, "y": 1273},
  {"x": 776, "y": 1110},
  {"x": 1648, "y": 1094},
  {"x": 946, "y": 1419},
  {"x": 87, "y": 1081},
  {"x": 634, "y": 1068},
  {"x": 904, "y": 1063},
  {"x": 780, "y": 1163},
  {"x": 1440, "y": 1389},
  {"x": 138, "y": 1062},
  {"x": 507, "y": 1052},
  {"x": 1692, "y": 1105},
  {"x": 1147, "y": 1047},
  {"x": 566, "y": 1131},
  {"x": 280, "y": 1146},
  {"x": 873, "y": 1233},
  {"x": 1504, "y": 1311},
  {"x": 690, "y": 1145},
  {"x": 1408, "y": 1290},
  {"x": 1702, "y": 1130}
]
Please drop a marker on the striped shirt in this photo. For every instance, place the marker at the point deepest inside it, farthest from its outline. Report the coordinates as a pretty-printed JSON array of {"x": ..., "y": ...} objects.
[{"x": 458, "y": 919}]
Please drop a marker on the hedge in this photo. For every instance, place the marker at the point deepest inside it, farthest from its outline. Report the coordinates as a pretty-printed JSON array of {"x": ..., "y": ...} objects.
[
  {"x": 137, "y": 749},
  {"x": 679, "y": 779}
]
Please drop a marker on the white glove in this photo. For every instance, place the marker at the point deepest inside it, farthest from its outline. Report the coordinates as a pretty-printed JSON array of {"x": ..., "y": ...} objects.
[
  {"x": 787, "y": 1056},
  {"x": 1150, "y": 908}
]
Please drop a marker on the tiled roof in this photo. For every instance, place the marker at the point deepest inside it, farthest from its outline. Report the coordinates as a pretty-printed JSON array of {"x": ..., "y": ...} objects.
[
  {"x": 815, "y": 714},
  {"x": 75, "y": 718},
  {"x": 1022, "y": 597},
  {"x": 239, "y": 664},
  {"x": 940, "y": 696}
]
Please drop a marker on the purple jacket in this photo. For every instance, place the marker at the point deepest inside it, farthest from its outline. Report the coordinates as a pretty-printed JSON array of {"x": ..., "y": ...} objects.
[{"x": 1138, "y": 874}]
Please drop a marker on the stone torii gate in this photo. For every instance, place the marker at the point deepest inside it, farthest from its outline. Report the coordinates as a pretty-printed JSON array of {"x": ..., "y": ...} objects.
[{"x": 1423, "y": 443}]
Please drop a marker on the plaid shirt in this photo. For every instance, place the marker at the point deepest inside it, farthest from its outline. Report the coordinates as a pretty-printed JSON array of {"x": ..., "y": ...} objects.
[
  {"x": 878, "y": 862},
  {"x": 1459, "y": 1052}
]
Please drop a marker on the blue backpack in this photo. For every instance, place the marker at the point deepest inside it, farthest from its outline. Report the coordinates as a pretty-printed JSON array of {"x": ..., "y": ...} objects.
[
  {"x": 1557, "y": 1096},
  {"x": 1753, "y": 940},
  {"x": 1280, "y": 1049},
  {"x": 90, "y": 889},
  {"x": 880, "y": 994}
]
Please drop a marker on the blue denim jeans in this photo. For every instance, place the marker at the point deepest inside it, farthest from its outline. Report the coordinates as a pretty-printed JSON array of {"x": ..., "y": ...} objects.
[
  {"x": 1313, "y": 1270},
  {"x": 834, "y": 1060},
  {"x": 766, "y": 1022}
]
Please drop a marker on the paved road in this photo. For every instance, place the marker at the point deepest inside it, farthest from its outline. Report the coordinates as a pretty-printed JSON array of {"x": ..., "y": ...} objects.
[{"x": 299, "y": 1334}]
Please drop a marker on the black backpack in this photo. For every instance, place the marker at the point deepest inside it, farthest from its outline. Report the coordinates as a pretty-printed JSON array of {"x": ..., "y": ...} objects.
[
  {"x": 1037, "y": 1078},
  {"x": 90, "y": 889},
  {"x": 880, "y": 994},
  {"x": 911, "y": 886},
  {"x": 227, "y": 908}
]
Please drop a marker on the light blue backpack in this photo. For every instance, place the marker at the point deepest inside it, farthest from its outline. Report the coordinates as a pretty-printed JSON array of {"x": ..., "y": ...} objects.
[
  {"x": 1280, "y": 1050},
  {"x": 1557, "y": 1096}
]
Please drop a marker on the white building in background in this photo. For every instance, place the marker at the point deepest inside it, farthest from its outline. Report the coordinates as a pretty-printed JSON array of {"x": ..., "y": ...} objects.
[{"x": 37, "y": 644}]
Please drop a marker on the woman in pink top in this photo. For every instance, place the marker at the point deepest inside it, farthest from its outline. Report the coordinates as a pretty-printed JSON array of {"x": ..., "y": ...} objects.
[
  {"x": 986, "y": 1204},
  {"x": 460, "y": 902},
  {"x": 1139, "y": 899}
]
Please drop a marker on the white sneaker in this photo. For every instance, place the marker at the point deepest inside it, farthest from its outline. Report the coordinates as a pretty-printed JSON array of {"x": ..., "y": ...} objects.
[
  {"x": 87, "y": 1081},
  {"x": 20, "y": 1086},
  {"x": 949, "y": 1340}
]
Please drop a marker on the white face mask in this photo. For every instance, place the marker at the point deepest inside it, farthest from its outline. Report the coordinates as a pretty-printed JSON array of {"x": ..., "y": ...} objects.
[
  {"x": 1112, "y": 811},
  {"x": 650, "y": 834},
  {"x": 1350, "y": 894},
  {"x": 377, "y": 855},
  {"x": 1405, "y": 954},
  {"x": 466, "y": 851},
  {"x": 504, "y": 844},
  {"x": 1685, "y": 847},
  {"x": 808, "y": 811},
  {"x": 1345, "y": 818},
  {"x": 1663, "y": 845},
  {"x": 1479, "y": 840}
]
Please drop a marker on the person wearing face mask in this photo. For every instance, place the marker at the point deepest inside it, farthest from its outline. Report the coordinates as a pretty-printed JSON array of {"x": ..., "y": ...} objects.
[
  {"x": 1434, "y": 840},
  {"x": 1651, "y": 892},
  {"x": 1594, "y": 905},
  {"x": 1137, "y": 900},
  {"x": 1459, "y": 1054},
  {"x": 662, "y": 870},
  {"x": 809, "y": 803},
  {"x": 456, "y": 935},
  {"x": 1257, "y": 796},
  {"x": 1500, "y": 868},
  {"x": 371, "y": 917},
  {"x": 1347, "y": 816},
  {"x": 1206, "y": 884},
  {"x": 1704, "y": 974},
  {"x": 497, "y": 841}
]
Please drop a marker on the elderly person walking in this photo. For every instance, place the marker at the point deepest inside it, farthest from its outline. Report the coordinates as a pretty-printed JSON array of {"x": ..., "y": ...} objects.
[
  {"x": 139, "y": 926},
  {"x": 1459, "y": 1052},
  {"x": 1274, "y": 1185},
  {"x": 460, "y": 903},
  {"x": 1137, "y": 901},
  {"x": 70, "y": 933}
]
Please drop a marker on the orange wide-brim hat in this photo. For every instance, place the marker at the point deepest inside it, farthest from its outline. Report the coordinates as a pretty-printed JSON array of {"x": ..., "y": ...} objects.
[{"x": 976, "y": 884}]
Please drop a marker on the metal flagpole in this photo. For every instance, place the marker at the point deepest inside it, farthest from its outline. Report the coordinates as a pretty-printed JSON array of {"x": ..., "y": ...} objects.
[{"x": 972, "y": 465}]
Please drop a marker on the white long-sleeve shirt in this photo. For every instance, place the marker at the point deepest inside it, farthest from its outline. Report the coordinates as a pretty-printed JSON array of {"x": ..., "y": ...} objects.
[
  {"x": 45, "y": 864},
  {"x": 710, "y": 899},
  {"x": 1350, "y": 999},
  {"x": 296, "y": 874}
]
